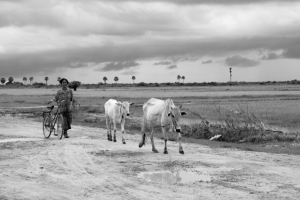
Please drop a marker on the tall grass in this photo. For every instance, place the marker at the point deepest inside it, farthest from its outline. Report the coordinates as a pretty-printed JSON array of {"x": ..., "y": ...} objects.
[
  {"x": 276, "y": 113},
  {"x": 236, "y": 125}
]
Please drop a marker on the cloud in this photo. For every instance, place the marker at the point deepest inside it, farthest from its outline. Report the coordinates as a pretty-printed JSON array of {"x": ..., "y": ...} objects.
[
  {"x": 47, "y": 61},
  {"x": 130, "y": 72},
  {"x": 118, "y": 66},
  {"x": 195, "y": 2},
  {"x": 163, "y": 63},
  {"x": 271, "y": 56},
  {"x": 293, "y": 51},
  {"x": 239, "y": 61},
  {"x": 172, "y": 67},
  {"x": 207, "y": 62},
  {"x": 30, "y": 13}
]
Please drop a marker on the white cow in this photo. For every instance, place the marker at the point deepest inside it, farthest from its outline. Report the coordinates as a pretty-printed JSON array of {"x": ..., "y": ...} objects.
[
  {"x": 116, "y": 112},
  {"x": 164, "y": 114}
]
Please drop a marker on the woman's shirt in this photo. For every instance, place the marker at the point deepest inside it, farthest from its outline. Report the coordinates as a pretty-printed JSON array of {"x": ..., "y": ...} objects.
[{"x": 66, "y": 95}]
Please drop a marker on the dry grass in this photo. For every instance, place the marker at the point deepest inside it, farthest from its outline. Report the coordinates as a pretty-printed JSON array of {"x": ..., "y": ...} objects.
[{"x": 237, "y": 125}]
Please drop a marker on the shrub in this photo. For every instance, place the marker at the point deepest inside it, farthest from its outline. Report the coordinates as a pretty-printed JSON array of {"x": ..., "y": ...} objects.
[
  {"x": 74, "y": 85},
  {"x": 236, "y": 125},
  {"x": 38, "y": 85},
  {"x": 141, "y": 84}
]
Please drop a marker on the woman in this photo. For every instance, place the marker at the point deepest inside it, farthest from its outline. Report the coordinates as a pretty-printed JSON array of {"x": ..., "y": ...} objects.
[{"x": 66, "y": 95}]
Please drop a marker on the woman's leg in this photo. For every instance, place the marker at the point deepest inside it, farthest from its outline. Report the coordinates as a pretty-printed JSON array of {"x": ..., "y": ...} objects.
[
  {"x": 66, "y": 134},
  {"x": 67, "y": 123}
]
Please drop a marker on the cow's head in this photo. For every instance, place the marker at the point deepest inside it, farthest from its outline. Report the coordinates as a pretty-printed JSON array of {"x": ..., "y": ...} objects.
[
  {"x": 175, "y": 114},
  {"x": 125, "y": 108}
]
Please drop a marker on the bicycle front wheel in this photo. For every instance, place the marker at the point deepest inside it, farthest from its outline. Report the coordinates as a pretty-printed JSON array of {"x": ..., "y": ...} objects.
[
  {"x": 59, "y": 124},
  {"x": 47, "y": 126}
]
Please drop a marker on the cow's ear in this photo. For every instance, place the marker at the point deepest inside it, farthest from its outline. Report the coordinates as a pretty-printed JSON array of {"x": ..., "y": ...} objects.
[
  {"x": 131, "y": 103},
  {"x": 183, "y": 113},
  {"x": 119, "y": 104}
]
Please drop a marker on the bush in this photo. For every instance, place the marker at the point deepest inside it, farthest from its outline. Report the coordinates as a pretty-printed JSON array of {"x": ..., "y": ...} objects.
[
  {"x": 38, "y": 85},
  {"x": 236, "y": 125},
  {"x": 74, "y": 85},
  {"x": 141, "y": 84}
]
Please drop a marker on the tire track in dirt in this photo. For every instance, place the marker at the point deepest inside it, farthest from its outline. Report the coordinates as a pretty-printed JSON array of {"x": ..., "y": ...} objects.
[
  {"x": 65, "y": 163},
  {"x": 86, "y": 166}
]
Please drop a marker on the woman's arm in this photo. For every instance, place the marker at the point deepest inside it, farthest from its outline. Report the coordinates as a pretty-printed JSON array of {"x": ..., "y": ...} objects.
[{"x": 72, "y": 98}]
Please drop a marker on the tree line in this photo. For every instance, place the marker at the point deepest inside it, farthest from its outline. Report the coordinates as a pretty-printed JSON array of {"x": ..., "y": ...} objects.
[
  {"x": 73, "y": 85},
  {"x": 116, "y": 79}
]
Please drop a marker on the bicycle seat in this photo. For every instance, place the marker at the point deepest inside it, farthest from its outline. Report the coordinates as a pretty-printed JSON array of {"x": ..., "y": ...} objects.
[{"x": 50, "y": 107}]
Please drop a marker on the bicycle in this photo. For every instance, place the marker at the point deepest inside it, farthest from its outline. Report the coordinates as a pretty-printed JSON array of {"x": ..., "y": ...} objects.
[{"x": 51, "y": 119}]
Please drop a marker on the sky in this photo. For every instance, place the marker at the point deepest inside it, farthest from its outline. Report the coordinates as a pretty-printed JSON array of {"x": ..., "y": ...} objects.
[{"x": 153, "y": 40}]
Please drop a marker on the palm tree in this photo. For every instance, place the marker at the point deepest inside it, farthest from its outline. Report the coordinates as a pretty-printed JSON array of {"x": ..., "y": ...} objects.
[
  {"x": 3, "y": 80},
  {"x": 133, "y": 78},
  {"x": 230, "y": 74},
  {"x": 10, "y": 79},
  {"x": 104, "y": 79},
  {"x": 58, "y": 79},
  {"x": 31, "y": 79},
  {"x": 183, "y": 77},
  {"x": 25, "y": 80},
  {"x": 178, "y": 78},
  {"x": 46, "y": 79},
  {"x": 116, "y": 79}
]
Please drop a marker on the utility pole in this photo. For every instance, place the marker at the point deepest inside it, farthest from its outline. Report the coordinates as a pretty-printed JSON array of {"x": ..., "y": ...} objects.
[{"x": 230, "y": 75}]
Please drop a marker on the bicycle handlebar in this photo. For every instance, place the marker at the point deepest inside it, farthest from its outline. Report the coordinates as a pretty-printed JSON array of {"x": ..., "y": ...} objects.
[{"x": 58, "y": 102}]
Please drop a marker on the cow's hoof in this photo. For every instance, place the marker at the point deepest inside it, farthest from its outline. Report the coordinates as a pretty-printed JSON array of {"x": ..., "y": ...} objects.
[
  {"x": 141, "y": 144},
  {"x": 181, "y": 152},
  {"x": 124, "y": 142},
  {"x": 155, "y": 151},
  {"x": 165, "y": 152},
  {"x": 115, "y": 140}
]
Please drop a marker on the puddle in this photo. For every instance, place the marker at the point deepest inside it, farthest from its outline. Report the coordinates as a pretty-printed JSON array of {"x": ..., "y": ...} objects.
[
  {"x": 19, "y": 140},
  {"x": 174, "y": 177}
]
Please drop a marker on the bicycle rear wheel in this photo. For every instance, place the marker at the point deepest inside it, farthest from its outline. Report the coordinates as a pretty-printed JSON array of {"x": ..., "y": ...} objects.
[
  {"x": 47, "y": 126},
  {"x": 59, "y": 124}
]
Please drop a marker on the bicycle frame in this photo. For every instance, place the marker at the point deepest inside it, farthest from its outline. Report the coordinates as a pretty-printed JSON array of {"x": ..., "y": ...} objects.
[{"x": 53, "y": 120}]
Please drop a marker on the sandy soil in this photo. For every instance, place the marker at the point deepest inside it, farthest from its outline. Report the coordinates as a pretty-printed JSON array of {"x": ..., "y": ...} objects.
[{"x": 87, "y": 166}]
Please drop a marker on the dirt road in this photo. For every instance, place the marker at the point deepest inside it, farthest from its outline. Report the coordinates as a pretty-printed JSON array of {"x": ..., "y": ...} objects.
[{"x": 87, "y": 166}]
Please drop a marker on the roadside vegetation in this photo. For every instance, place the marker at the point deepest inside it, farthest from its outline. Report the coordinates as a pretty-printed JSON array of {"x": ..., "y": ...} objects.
[{"x": 237, "y": 125}]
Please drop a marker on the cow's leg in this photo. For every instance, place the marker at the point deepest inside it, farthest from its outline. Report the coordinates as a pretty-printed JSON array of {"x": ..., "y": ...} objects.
[
  {"x": 152, "y": 141},
  {"x": 110, "y": 124},
  {"x": 115, "y": 130},
  {"x": 179, "y": 142},
  {"x": 142, "y": 142},
  {"x": 107, "y": 127},
  {"x": 166, "y": 139},
  {"x": 123, "y": 131}
]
